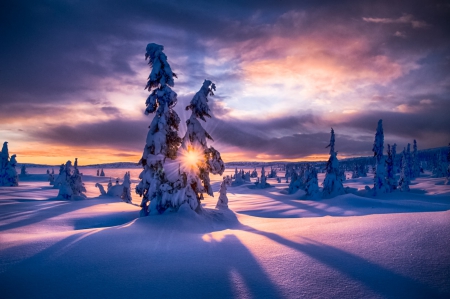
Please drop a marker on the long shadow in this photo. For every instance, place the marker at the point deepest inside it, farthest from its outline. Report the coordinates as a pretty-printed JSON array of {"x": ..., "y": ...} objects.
[
  {"x": 362, "y": 206},
  {"x": 241, "y": 261},
  {"x": 28, "y": 214},
  {"x": 113, "y": 264},
  {"x": 380, "y": 280}
]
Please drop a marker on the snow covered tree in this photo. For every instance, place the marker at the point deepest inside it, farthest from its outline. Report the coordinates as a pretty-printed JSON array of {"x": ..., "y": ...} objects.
[
  {"x": 162, "y": 139},
  {"x": 415, "y": 161},
  {"x": 332, "y": 184},
  {"x": 311, "y": 182},
  {"x": 198, "y": 160},
  {"x": 394, "y": 158},
  {"x": 23, "y": 170},
  {"x": 440, "y": 168},
  {"x": 126, "y": 193},
  {"x": 238, "y": 178},
  {"x": 405, "y": 173},
  {"x": 390, "y": 173},
  {"x": 76, "y": 182},
  {"x": 262, "y": 182},
  {"x": 8, "y": 173},
  {"x": 70, "y": 183},
  {"x": 380, "y": 184},
  {"x": 222, "y": 203},
  {"x": 65, "y": 190},
  {"x": 409, "y": 161},
  {"x": 102, "y": 173},
  {"x": 254, "y": 174}
]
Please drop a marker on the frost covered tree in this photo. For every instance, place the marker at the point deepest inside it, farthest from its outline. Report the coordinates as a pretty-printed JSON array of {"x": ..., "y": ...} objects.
[
  {"x": 380, "y": 184},
  {"x": 222, "y": 203},
  {"x": 238, "y": 178},
  {"x": 70, "y": 183},
  {"x": 405, "y": 173},
  {"x": 76, "y": 182},
  {"x": 394, "y": 158},
  {"x": 23, "y": 170},
  {"x": 126, "y": 191},
  {"x": 65, "y": 190},
  {"x": 8, "y": 173},
  {"x": 102, "y": 173},
  {"x": 162, "y": 138},
  {"x": 415, "y": 161},
  {"x": 390, "y": 172},
  {"x": 262, "y": 182},
  {"x": 409, "y": 161},
  {"x": 311, "y": 182},
  {"x": 109, "y": 186},
  {"x": 198, "y": 160},
  {"x": 174, "y": 175},
  {"x": 332, "y": 184}
]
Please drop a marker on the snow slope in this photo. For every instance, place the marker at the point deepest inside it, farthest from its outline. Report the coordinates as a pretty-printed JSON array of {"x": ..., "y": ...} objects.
[{"x": 273, "y": 245}]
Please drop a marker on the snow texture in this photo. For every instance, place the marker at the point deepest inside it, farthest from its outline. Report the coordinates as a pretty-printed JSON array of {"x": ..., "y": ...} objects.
[{"x": 268, "y": 245}]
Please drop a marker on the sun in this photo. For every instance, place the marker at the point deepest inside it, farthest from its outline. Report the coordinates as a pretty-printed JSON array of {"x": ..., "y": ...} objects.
[{"x": 192, "y": 157}]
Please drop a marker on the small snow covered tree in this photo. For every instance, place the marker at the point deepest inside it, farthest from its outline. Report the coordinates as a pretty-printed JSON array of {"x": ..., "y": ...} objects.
[
  {"x": 262, "y": 182},
  {"x": 390, "y": 173},
  {"x": 405, "y": 173},
  {"x": 65, "y": 190},
  {"x": 409, "y": 161},
  {"x": 380, "y": 184},
  {"x": 23, "y": 170},
  {"x": 70, "y": 183},
  {"x": 126, "y": 193},
  {"x": 311, "y": 182},
  {"x": 415, "y": 161},
  {"x": 102, "y": 173},
  {"x": 222, "y": 203},
  {"x": 238, "y": 178},
  {"x": 109, "y": 186},
  {"x": 8, "y": 173},
  {"x": 332, "y": 184},
  {"x": 76, "y": 182},
  {"x": 254, "y": 174},
  {"x": 394, "y": 158}
]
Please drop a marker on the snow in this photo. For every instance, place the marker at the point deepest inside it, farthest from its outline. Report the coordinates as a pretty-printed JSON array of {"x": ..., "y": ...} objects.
[{"x": 269, "y": 244}]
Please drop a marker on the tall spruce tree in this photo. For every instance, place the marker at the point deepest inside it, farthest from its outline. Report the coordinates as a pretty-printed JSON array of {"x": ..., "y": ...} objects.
[
  {"x": 162, "y": 139},
  {"x": 405, "y": 173},
  {"x": 380, "y": 184},
  {"x": 332, "y": 185},
  {"x": 197, "y": 159},
  {"x": 390, "y": 173},
  {"x": 415, "y": 161}
]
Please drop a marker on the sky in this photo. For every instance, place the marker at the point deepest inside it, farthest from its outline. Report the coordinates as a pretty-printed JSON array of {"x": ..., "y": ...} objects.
[{"x": 72, "y": 75}]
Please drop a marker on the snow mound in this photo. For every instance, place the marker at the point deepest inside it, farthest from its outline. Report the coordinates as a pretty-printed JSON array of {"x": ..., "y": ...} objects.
[{"x": 186, "y": 220}]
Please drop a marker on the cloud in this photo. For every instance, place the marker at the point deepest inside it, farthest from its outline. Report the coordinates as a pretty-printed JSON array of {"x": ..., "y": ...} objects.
[
  {"x": 73, "y": 72},
  {"x": 404, "y": 19}
]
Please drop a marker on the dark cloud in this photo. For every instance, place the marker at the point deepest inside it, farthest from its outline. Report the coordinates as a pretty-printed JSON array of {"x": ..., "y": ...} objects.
[
  {"x": 57, "y": 53},
  {"x": 115, "y": 134}
]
